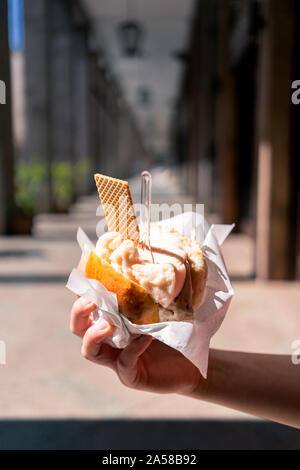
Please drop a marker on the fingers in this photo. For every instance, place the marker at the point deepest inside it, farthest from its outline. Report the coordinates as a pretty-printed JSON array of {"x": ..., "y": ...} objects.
[
  {"x": 123, "y": 361},
  {"x": 128, "y": 358},
  {"x": 93, "y": 348},
  {"x": 81, "y": 316}
]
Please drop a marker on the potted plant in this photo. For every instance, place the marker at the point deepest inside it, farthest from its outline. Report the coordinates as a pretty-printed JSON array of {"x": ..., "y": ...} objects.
[
  {"x": 62, "y": 186},
  {"x": 29, "y": 178}
]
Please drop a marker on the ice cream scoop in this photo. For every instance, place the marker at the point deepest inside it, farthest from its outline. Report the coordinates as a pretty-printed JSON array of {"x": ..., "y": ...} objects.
[{"x": 163, "y": 279}]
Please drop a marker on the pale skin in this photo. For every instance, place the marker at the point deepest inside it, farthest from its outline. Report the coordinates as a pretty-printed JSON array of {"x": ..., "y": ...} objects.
[{"x": 264, "y": 385}]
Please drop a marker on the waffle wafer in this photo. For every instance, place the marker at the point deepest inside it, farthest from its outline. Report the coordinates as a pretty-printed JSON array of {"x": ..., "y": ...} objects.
[{"x": 117, "y": 205}]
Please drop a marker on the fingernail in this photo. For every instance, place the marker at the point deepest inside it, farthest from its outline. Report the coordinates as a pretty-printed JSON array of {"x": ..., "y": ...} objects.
[
  {"x": 87, "y": 304},
  {"x": 102, "y": 324}
]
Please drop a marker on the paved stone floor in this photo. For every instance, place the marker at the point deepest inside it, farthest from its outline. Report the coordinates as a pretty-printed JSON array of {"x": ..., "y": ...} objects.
[{"x": 45, "y": 376}]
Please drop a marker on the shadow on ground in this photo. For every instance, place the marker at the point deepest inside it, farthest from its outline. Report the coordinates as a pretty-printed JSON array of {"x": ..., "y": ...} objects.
[
  {"x": 34, "y": 279},
  {"x": 146, "y": 435},
  {"x": 17, "y": 253}
]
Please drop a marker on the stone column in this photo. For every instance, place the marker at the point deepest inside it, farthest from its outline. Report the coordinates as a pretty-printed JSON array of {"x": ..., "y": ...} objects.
[
  {"x": 60, "y": 80},
  {"x": 80, "y": 124},
  {"x": 37, "y": 135},
  {"x": 93, "y": 113},
  {"x": 60, "y": 102},
  {"x": 227, "y": 151},
  {"x": 6, "y": 131},
  {"x": 274, "y": 250}
]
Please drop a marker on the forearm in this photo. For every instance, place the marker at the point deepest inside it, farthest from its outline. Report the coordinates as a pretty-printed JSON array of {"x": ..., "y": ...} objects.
[{"x": 264, "y": 385}]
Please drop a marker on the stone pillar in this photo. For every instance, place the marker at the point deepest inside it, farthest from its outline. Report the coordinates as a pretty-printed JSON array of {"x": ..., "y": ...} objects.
[
  {"x": 6, "y": 131},
  {"x": 274, "y": 250},
  {"x": 37, "y": 134},
  {"x": 60, "y": 79},
  {"x": 226, "y": 123},
  {"x": 204, "y": 43},
  {"x": 94, "y": 114},
  {"x": 60, "y": 102},
  {"x": 80, "y": 124}
]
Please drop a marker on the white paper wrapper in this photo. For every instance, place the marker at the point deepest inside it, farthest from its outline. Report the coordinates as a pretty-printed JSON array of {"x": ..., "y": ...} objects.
[{"x": 191, "y": 338}]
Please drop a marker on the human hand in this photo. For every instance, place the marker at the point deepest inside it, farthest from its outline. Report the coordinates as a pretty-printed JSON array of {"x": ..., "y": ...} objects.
[{"x": 145, "y": 364}]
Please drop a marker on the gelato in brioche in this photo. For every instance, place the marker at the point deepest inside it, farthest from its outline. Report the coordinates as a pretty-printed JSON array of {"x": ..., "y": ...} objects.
[{"x": 171, "y": 288}]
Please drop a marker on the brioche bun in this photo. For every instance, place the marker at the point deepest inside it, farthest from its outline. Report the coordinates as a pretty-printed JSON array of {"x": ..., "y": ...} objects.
[{"x": 134, "y": 302}]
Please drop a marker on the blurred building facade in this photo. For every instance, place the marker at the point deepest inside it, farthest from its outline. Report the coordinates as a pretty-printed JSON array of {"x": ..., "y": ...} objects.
[
  {"x": 233, "y": 132},
  {"x": 74, "y": 120},
  {"x": 235, "y": 127}
]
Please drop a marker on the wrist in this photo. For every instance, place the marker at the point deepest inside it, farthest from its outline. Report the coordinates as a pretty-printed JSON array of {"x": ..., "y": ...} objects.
[{"x": 205, "y": 389}]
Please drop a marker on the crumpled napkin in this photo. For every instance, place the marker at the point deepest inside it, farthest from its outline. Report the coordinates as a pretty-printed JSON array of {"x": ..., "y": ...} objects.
[{"x": 190, "y": 337}]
